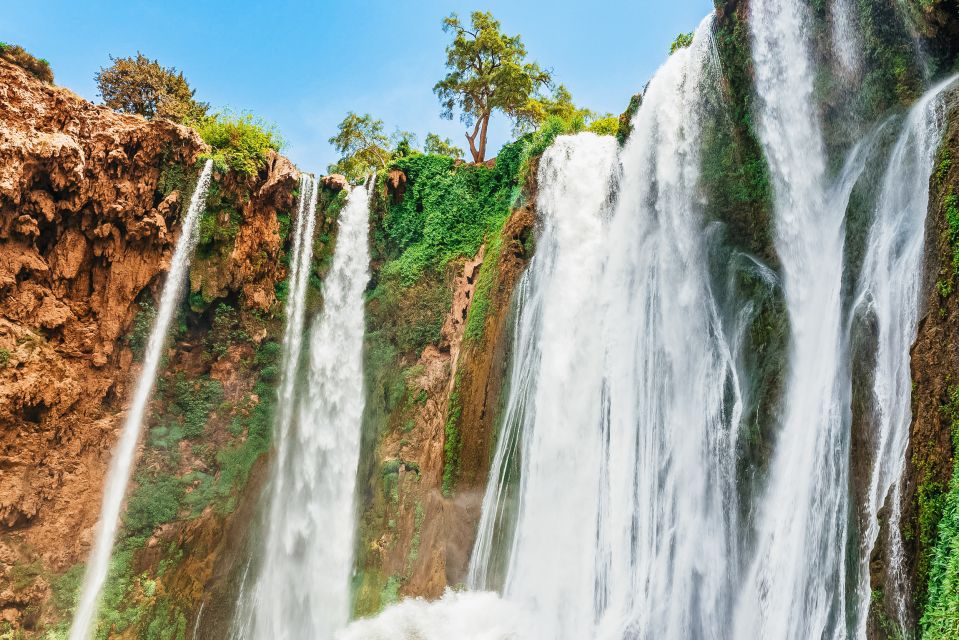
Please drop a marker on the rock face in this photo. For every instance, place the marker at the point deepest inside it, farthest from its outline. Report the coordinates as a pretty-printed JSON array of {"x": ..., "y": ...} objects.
[{"x": 90, "y": 203}]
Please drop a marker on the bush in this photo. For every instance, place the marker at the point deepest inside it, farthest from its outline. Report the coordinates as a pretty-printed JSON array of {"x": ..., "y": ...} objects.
[
  {"x": 607, "y": 126},
  {"x": 39, "y": 68},
  {"x": 140, "y": 331},
  {"x": 240, "y": 142},
  {"x": 155, "y": 501},
  {"x": 4, "y": 358},
  {"x": 682, "y": 41}
]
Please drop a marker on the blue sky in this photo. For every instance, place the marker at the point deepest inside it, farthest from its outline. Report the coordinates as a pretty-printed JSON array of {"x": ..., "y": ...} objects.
[{"x": 303, "y": 65}]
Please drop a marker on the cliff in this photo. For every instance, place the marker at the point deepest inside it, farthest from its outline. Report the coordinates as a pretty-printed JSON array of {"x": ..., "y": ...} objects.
[{"x": 90, "y": 206}]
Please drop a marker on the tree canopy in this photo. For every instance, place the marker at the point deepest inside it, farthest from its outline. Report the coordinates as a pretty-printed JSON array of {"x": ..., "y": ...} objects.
[
  {"x": 362, "y": 145},
  {"x": 437, "y": 146},
  {"x": 142, "y": 86},
  {"x": 488, "y": 71}
]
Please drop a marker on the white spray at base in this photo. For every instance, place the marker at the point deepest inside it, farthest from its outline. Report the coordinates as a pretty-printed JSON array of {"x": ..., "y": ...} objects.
[
  {"x": 302, "y": 591},
  {"x": 121, "y": 465}
]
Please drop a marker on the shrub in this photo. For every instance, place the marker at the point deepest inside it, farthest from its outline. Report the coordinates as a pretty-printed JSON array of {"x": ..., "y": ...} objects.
[
  {"x": 240, "y": 142},
  {"x": 155, "y": 501},
  {"x": 39, "y": 68},
  {"x": 140, "y": 331},
  {"x": 606, "y": 126},
  {"x": 4, "y": 358},
  {"x": 682, "y": 41}
]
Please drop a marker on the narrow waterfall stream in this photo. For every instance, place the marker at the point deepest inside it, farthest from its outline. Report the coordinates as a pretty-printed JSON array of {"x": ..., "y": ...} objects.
[
  {"x": 303, "y": 583},
  {"x": 615, "y": 508},
  {"x": 121, "y": 465}
]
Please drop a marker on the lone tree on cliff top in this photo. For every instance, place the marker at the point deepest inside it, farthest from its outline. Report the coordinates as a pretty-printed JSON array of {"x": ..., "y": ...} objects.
[
  {"x": 142, "y": 86},
  {"x": 488, "y": 71}
]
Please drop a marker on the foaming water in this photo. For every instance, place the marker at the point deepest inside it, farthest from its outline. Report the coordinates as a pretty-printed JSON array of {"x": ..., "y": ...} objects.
[
  {"x": 474, "y": 615},
  {"x": 121, "y": 465},
  {"x": 302, "y": 589}
]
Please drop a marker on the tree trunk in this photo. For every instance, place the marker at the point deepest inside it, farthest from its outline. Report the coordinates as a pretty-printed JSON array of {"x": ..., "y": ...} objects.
[
  {"x": 479, "y": 152},
  {"x": 482, "y": 144}
]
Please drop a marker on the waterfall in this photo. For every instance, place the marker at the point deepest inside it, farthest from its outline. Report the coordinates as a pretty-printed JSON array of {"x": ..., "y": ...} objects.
[
  {"x": 121, "y": 465},
  {"x": 302, "y": 590},
  {"x": 889, "y": 291}
]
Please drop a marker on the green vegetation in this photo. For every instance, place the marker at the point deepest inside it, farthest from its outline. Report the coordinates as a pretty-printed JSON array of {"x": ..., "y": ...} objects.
[
  {"x": 437, "y": 146},
  {"x": 682, "y": 41},
  {"x": 4, "y": 358},
  {"x": 362, "y": 145},
  {"x": 240, "y": 141},
  {"x": 142, "y": 86},
  {"x": 140, "y": 331},
  {"x": 939, "y": 525},
  {"x": 488, "y": 72},
  {"x": 39, "y": 68},
  {"x": 452, "y": 443}
]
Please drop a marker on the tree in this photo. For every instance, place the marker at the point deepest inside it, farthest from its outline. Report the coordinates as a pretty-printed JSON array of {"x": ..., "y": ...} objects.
[
  {"x": 404, "y": 143},
  {"x": 438, "y": 146},
  {"x": 487, "y": 72},
  {"x": 362, "y": 145},
  {"x": 144, "y": 87}
]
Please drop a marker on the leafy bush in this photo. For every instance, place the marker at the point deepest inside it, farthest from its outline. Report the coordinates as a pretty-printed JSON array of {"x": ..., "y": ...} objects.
[
  {"x": 240, "y": 141},
  {"x": 682, "y": 41},
  {"x": 4, "y": 358},
  {"x": 155, "y": 501},
  {"x": 606, "y": 126},
  {"x": 39, "y": 68}
]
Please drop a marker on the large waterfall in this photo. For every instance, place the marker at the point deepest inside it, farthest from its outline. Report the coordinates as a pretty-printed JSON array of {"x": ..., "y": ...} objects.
[
  {"x": 616, "y": 507},
  {"x": 302, "y": 587},
  {"x": 121, "y": 465}
]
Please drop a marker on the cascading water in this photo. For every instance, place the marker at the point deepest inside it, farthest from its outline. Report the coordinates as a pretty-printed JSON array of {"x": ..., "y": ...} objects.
[
  {"x": 121, "y": 465},
  {"x": 614, "y": 509},
  {"x": 794, "y": 587},
  {"x": 302, "y": 590},
  {"x": 889, "y": 291}
]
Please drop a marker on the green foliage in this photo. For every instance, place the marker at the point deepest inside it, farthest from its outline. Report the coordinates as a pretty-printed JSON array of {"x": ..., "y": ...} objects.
[
  {"x": 452, "y": 443},
  {"x": 140, "y": 331},
  {"x": 226, "y": 331},
  {"x": 682, "y": 41},
  {"x": 480, "y": 307},
  {"x": 217, "y": 227},
  {"x": 4, "y": 358},
  {"x": 155, "y": 501},
  {"x": 605, "y": 126},
  {"x": 437, "y": 146},
  {"x": 66, "y": 589},
  {"x": 488, "y": 72},
  {"x": 940, "y": 617},
  {"x": 39, "y": 68},
  {"x": 447, "y": 211},
  {"x": 144, "y": 87},
  {"x": 23, "y": 575},
  {"x": 191, "y": 401},
  {"x": 362, "y": 145},
  {"x": 240, "y": 141},
  {"x": 951, "y": 206},
  {"x": 391, "y": 591}
]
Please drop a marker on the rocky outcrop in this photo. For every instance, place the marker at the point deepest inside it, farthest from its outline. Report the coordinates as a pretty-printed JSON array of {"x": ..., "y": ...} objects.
[{"x": 90, "y": 203}]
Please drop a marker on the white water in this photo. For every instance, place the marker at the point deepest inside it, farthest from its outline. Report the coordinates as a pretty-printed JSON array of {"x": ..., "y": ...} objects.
[
  {"x": 889, "y": 290},
  {"x": 121, "y": 465},
  {"x": 611, "y": 510},
  {"x": 302, "y": 590}
]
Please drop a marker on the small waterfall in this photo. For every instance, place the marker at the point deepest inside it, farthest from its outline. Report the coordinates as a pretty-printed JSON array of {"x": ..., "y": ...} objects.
[
  {"x": 121, "y": 465},
  {"x": 889, "y": 291},
  {"x": 302, "y": 591}
]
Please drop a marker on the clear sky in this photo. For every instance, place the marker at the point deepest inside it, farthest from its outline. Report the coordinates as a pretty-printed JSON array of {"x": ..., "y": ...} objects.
[{"x": 303, "y": 65}]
